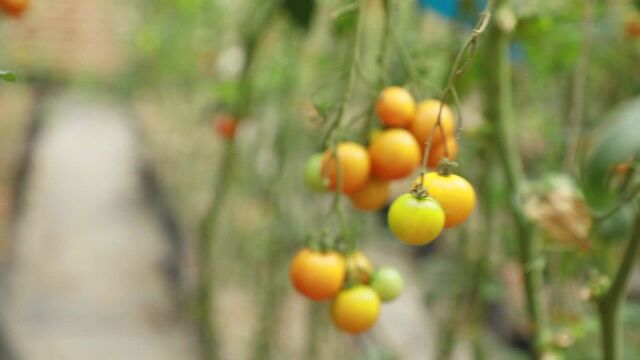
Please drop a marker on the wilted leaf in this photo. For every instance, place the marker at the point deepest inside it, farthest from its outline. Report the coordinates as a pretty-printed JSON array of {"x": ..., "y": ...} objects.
[
  {"x": 557, "y": 206},
  {"x": 7, "y": 76}
]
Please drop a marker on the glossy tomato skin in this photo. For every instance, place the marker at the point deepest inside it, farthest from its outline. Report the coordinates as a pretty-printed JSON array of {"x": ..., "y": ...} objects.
[
  {"x": 395, "y": 106},
  {"x": 426, "y": 118},
  {"x": 226, "y": 127},
  {"x": 416, "y": 221},
  {"x": 355, "y": 165},
  {"x": 356, "y": 310},
  {"x": 358, "y": 267},
  {"x": 373, "y": 195},
  {"x": 394, "y": 154},
  {"x": 313, "y": 173},
  {"x": 437, "y": 151},
  {"x": 454, "y": 193},
  {"x": 387, "y": 282},
  {"x": 317, "y": 275},
  {"x": 14, "y": 8}
]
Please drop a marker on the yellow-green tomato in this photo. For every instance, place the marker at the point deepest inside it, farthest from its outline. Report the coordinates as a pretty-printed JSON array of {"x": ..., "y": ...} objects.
[
  {"x": 387, "y": 282},
  {"x": 313, "y": 173},
  {"x": 356, "y": 309},
  {"x": 415, "y": 220}
]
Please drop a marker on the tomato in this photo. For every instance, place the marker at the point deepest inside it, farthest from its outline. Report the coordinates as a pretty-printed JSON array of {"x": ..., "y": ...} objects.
[
  {"x": 632, "y": 28},
  {"x": 226, "y": 127},
  {"x": 437, "y": 151},
  {"x": 358, "y": 267},
  {"x": 317, "y": 275},
  {"x": 356, "y": 309},
  {"x": 387, "y": 282},
  {"x": 394, "y": 154},
  {"x": 414, "y": 220},
  {"x": 354, "y": 163},
  {"x": 373, "y": 196},
  {"x": 14, "y": 7},
  {"x": 427, "y": 117},
  {"x": 313, "y": 173},
  {"x": 454, "y": 193},
  {"x": 395, "y": 107}
]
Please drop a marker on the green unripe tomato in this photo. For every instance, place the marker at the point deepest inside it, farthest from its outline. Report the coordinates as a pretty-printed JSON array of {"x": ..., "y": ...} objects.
[
  {"x": 387, "y": 282},
  {"x": 313, "y": 173}
]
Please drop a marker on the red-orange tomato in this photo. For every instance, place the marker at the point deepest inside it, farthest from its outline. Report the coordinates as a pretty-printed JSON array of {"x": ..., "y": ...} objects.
[
  {"x": 454, "y": 193},
  {"x": 373, "y": 196},
  {"x": 395, "y": 106},
  {"x": 226, "y": 127},
  {"x": 394, "y": 154},
  {"x": 426, "y": 118},
  {"x": 632, "y": 28},
  {"x": 355, "y": 166},
  {"x": 317, "y": 275},
  {"x": 437, "y": 151},
  {"x": 14, "y": 7}
]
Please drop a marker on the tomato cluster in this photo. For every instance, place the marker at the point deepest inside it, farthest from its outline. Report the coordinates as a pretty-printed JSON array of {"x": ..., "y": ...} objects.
[
  {"x": 14, "y": 8},
  {"x": 356, "y": 290},
  {"x": 444, "y": 200}
]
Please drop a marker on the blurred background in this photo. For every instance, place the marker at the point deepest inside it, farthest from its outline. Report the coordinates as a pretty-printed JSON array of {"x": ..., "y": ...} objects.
[{"x": 114, "y": 167}]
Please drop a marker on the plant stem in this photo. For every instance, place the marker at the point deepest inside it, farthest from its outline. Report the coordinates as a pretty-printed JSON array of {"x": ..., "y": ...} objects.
[
  {"x": 609, "y": 305},
  {"x": 500, "y": 110},
  {"x": 205, "y": 289},
  {"x": 205, "y": 297},
  {"x": 576, "y": 112}
]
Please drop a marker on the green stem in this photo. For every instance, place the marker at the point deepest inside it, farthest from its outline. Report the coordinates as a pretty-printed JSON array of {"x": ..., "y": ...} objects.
[
  {"x": 205, "y": 290},
  {"x": 205, "y": 296},
  {"x": 610, "y": 304},
  {"x": 500, "y": 109}
]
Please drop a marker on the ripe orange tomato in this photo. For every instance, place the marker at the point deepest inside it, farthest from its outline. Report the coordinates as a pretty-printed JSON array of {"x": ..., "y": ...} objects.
[
  {"x": 358, "y": 267},
  {"x": 373, "y": 196},
  {"x": 454, "y": 193},
  {"x": 415, "y": 221},
  {"x": 632, "y": 28},
  {"x": 354, "y": 164},
  {"x": 426, "y": 118},
  {"x": 317, "y": 275},
  {"x": 437, "y": 151},
  {"x": 394, "y": 154},
  {"x": 226, "y": 127},
  {"x": 356, "y": 309},
  {"x": 395, "y": 106},
  {"x": 14, "y": 8}
]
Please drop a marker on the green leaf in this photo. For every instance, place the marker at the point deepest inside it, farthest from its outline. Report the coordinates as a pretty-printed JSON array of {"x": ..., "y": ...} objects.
[
  {"x": 616, "y": 144},
  {"x": 301, "y": 11},
  {"x": 7, "y": 76}
]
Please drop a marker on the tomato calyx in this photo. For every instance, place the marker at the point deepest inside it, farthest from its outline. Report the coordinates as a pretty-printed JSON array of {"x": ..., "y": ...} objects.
[
  {"x": 419, "y": 191},
  {"x": 446, "y": 166}
]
